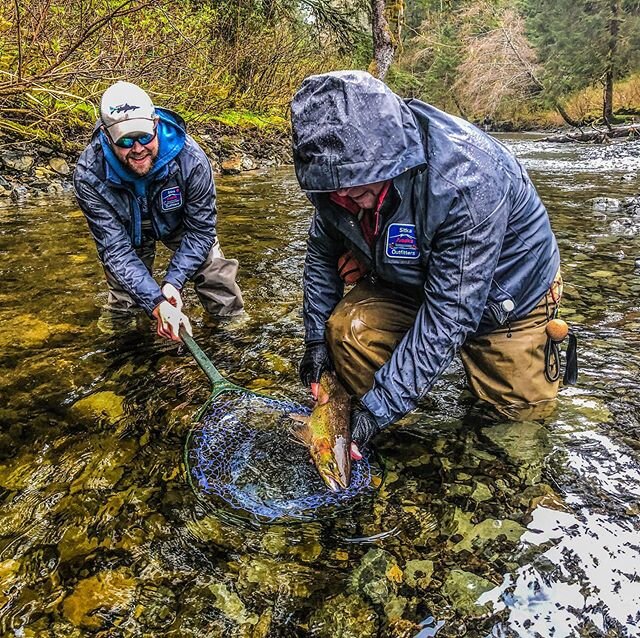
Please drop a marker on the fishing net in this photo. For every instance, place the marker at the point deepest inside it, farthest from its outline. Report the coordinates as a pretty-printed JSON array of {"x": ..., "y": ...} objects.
[{"x": 243, "y": 452}]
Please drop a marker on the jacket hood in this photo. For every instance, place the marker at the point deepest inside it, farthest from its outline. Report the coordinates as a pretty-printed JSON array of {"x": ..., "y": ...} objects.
[{"x": 350, "y": 129}]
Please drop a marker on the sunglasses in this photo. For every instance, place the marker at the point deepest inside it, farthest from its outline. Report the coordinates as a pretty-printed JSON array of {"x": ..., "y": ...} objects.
[{"x": 128, "y": 142}]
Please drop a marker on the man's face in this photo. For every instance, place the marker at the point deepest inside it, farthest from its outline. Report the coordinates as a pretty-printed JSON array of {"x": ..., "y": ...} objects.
[
  {"x": 139, "y": 158},
  {"x": 365, "y": 196}
]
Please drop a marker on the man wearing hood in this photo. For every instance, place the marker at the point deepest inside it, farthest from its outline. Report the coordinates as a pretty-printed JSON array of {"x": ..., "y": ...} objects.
[
  {"x": 449, "y": 244},
  {"x": 141, "y": 179}
]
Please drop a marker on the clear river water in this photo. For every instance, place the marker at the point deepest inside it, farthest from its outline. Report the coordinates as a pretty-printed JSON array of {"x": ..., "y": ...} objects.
[{"x": 478, "y": 528}]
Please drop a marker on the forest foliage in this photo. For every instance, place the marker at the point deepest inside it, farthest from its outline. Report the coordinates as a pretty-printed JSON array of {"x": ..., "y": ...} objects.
[{"x": 240, "y": 61}]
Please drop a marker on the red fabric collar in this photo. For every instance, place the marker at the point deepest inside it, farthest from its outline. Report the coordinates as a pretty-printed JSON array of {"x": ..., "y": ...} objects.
[
  {"x": 346, "y": 202},
  {"x": 370, "y": 221}
]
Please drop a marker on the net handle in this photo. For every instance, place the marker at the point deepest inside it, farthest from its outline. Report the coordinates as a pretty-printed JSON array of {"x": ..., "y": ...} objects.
[{"x": 203, "y": 361}]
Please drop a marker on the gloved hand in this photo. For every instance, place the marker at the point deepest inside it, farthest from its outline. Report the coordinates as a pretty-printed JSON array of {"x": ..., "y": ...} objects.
[
  {"x": 172, "y": 295},
  {"x": 169, "y": 319},
  {"x": 363, "y": 427},
  {"x": 315, "y": 361}
]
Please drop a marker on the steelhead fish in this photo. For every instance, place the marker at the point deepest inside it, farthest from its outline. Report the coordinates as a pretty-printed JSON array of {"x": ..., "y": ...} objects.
[{"x": 326, "y": 433}]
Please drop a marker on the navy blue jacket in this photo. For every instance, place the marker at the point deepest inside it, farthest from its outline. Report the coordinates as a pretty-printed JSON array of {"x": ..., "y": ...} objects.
[
  {"x": 468, "y": 229},
  {"x": 178, "y": 193}
]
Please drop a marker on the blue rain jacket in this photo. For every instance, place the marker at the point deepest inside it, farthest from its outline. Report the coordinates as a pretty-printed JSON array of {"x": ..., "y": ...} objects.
[
  {"x": 178, "y": 192},
  {"x": 468, "y": 229}
]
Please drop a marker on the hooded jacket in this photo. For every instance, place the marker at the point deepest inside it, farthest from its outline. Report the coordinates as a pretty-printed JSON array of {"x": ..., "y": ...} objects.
[
  {"x": 178, "y": 192},
  {"x": 467, "y": 229}
]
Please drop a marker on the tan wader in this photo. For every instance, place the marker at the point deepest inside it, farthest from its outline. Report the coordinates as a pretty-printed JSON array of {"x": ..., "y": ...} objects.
[
  {"x": 505, "y": 368},
  {"x": 214, "y": 282}
]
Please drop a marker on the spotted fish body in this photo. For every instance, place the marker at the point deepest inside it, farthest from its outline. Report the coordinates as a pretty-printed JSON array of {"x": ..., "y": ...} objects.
[{"x": 327, "y": 433}]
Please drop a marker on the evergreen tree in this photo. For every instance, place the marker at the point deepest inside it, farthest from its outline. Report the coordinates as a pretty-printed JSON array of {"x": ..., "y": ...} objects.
[{"x": 582, "y": 43}]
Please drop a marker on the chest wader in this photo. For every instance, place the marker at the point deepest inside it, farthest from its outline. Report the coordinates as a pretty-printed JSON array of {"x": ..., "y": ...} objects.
[
  {"x": 506, "y": 368},
  {"x": 214, "y": 281}
]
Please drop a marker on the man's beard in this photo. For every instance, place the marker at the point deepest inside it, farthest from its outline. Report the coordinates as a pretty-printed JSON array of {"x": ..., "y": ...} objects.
[{"x": 141, "y": 170}]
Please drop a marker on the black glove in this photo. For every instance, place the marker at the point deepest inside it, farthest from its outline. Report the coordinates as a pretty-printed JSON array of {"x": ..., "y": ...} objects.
[
  {"x": 315, "y": 361},
  {"x": 363, "y": 425}
]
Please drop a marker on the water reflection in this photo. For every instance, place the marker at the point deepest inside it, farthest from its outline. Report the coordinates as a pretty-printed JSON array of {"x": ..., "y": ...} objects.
[{"x": 479, "y": 528}]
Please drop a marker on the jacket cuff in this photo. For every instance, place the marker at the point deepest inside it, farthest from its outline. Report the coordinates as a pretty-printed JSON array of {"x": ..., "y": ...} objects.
[
  {"x": 378, "y": 409},
  {"x": 174, "y": 280},
  {"x": 173, "y": 283},
  {"x": 314, "y": 335},
  {"x": 157, "y": 300}
]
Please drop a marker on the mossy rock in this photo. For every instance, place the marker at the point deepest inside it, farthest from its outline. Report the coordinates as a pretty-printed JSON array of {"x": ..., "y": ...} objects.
[
  {"x": 99, "y": 406},
  {"x": 111, "y": 591},
  {"x": 272, "y": 576},
  {"x": 377, "y": 577},
  {"x": 463, "y": 589},
  {"x": 418, "y": 573},
  {"x": 344, "y": 616},
  {"x": 230, "y": 604}
]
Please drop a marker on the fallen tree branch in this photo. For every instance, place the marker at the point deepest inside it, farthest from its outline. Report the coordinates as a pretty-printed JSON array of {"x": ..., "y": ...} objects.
[{"x": 596, "y": 135}]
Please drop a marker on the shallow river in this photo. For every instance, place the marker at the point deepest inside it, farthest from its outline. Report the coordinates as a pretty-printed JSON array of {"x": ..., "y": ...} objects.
[{"x": 478, "y": 528}]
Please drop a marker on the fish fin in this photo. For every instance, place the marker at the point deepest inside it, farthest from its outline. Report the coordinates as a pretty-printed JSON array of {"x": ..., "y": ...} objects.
[
  {"x": 300, "y": 418},
  {"x": 300, "y": 430}
]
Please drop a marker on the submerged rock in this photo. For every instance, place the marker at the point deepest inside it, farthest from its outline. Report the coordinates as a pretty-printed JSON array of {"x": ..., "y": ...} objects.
[
  {"x": 463, "y": 590},
  {"x": 110, "y": 591},
  {"x": 230, "y": 604},
  {"x": 418, "y": 573},
  {"x": 106, "y": 405},
  {"x": 344, "y": 616},
  {"x": 377, "y": 577}
]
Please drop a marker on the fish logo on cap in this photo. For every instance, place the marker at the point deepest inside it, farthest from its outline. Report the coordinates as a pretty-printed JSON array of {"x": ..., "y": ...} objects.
[{"x": 123, "y": 108}]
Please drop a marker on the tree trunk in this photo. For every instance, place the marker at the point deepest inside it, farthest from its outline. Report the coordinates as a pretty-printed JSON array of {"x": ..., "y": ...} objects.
[
  {"x": 609, "y": 74},
  {"x": 386, "y": 38},
  {"x": 566, "y": 117}
]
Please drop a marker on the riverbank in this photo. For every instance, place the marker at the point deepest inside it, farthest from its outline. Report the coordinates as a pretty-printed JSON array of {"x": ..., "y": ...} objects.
[{"x": 31, "y": 170}]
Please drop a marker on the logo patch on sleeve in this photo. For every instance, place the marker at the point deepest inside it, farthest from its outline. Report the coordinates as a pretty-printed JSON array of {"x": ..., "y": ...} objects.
[
  {"x": 402, "y": 242},
  {"x": 171, "y": 198}
]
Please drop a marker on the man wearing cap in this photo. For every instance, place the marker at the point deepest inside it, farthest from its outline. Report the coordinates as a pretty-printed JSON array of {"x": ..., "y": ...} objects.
[
  {"x": 449, "y": 244},
  {"x": 141, "y": 179}
]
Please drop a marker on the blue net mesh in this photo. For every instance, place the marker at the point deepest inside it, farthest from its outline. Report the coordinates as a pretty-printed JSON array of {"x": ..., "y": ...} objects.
[{"x": 244, "y": 453}]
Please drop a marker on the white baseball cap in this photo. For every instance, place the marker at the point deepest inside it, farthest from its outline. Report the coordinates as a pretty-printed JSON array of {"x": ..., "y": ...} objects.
[{"x": 126, "y": 110}]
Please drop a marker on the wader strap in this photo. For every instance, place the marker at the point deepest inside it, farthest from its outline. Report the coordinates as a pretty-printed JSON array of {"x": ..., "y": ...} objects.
[{"x": 551, "y": 361}]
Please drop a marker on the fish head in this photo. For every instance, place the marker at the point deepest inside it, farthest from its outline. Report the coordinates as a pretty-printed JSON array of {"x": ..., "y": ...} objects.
[{"x": 333, "y": 462}]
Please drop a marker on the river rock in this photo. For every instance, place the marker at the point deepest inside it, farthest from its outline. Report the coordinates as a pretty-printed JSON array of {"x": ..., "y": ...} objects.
[
  {"x": 60, "y": 166},
  {"x": 232, "y": 165},
  {"x": 272, "y": 576},
  {"x": 605, "y": 204},
  {"x": 230, "y": 604},
  {"x": 19, "y": 193},
  {"x": 9, "y": 570},
  {"x": 247, "y": 164},
  {"x": 110, "y": 590},
  {"x": 526, "y": 443},
  {"x": 55, "y": 187},
  {"x": 343, "y": 616},
  {"x": 16, "y": 161},
  {"x": 377, "y": 577},
  {"x": 463, "y": 590},
  {"x": 418, "y": 573},
  {"x": 488, "y": 530},
  {"x": 105, "y": 405}
]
